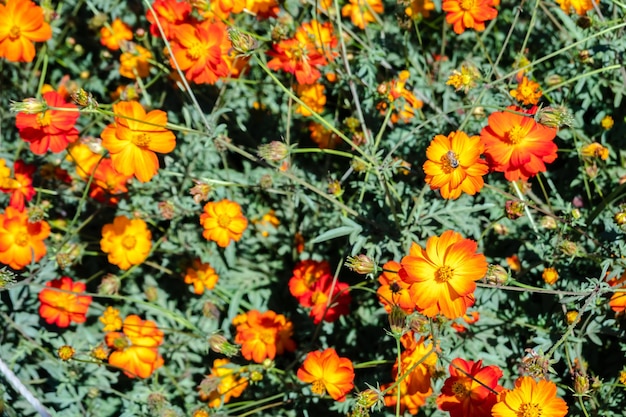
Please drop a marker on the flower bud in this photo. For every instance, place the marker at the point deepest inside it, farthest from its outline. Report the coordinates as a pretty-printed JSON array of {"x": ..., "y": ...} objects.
[
  {"x": 361, "y": 264},
  {"x": 28, "y": 106},
  {"x": 110, "y": 285},
  {"x": 496, "y": 275},
  {"x": 581, "y": 385},
  {"x": 242, "y": 43},
  {"x": 554, "y": 117},
  {"x": 219, "y": 344},
  {"x": 514, "y": 209},
  {"x": 274, "y": 151}
]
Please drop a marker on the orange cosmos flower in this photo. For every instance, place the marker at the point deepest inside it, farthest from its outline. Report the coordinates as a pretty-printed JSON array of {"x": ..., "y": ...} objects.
[
  {"x": 222, "y": 222},
  {"x": 313, "y": 96},
  {"x": 135, "y": 62},
  {"x": 468, "y": 14},
  {"x": 135, "y": 137},
  {"x": 136, "y": 347},
  {"x": 471, "y": 389},
  {"x": 362, "y": 12},
  {"x": 171, "y": 14},
  {"x": 21, "y": 186},
  {"x": 618, "y": 299},
  {"x": 454, "y": 165},
  {"x": 394, "y": 291},
  {"x": 405, "y": 102},
  {"x": 517, "y": 145},
  {"x": 263, "y": 335},
  {"x": 200, "y": 49},
  {"x": 117, "y": 35},
  {"x": 595, "y": 150},
  {"x": 83, "y": 154},
  {"x": 527, "y": 92},
  {"x": 328, "y": 373},
  {"x": 230, "y": 384},
  {"x": 442, "y": 276},
  {"x": 127, "y": 242},
  {"x": 415, "y": 387},
  {"x": 295, "y": 58},
  {"x": 320, "y": 36},
  {"x": 202, "y": 276},
  {"x": 530, "y": 398},
  {"x": 305, "y": 276},
  {"x": 221, "y": 9},
  {"x": 21, "y": 24},
  {"x": 581, "y": 7},
  {"x": 20, "y": 240},
  {"x": 51, "y": 129},
  {"x": 62, "y": 307}
]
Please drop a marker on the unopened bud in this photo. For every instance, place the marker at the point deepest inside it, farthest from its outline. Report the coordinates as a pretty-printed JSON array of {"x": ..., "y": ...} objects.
[
  {"x": 496, "y": 274},
  {"x": 514, "y": 209},
  {"x": 242, "y": 43},
  {"x": 361, "y": 264},
  {"x": 110, "y": 285},
  {"x": 28, "y": 106},
  {"x": 274, "y": 151},
  {"x": 554, "y": 117},
  {"x": 219, "y": 344},
  {"x": 581, "y": 385}
]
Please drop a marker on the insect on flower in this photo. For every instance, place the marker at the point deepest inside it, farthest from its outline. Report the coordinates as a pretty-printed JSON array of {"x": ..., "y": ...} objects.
[{"x": 450, "y": 157}]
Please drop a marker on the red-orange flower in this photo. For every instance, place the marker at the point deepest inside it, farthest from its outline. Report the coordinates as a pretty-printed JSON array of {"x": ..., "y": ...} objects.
[
  {"x": 468, "y": 14},
  {"x": 471, "y": 389},
  {"x": 21, "y": 186},
  {"x": 330, "y": 300},
  {"x": 135, "y": 137},
  {"x": 108, "y": 184},
  {"x": 62, "y": 307},
  {"x": 305, "y": 276},
  {"x": 117, "y": 35},
  {"x": 171, "y": 14},
  {"x": 415, "y": 387},
  {"x": 530, "y": 398},
  {"x": 517, "y": 145},
  {"x": 21, "y": 24},
  {"x": 222, "y": 222},
  {"x": 392, "y": 290},
  {"x": 442, "y": 276},
  {"x": 328, "y": 373},
  {"x": 20, "y": 240},
  {"x": 618, "y": 299},
  {"x": 136, "y": 347},
  {"x": 454, "y": 165},
  {"x": 263, "y": 335},
  {"x": 51, "y": 129},
  {"x": 200, "y": 49}
]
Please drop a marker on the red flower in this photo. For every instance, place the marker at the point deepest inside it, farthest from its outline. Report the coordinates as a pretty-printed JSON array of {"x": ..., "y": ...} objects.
[
  {"x": 471, "y": 389},
  {"x": 51, "y": 129},
  {"x": 20, "y": 187},
  {"x": 517, "y": 145},
  {"x": 337, "y": 293},
  {"x": 59, "y": 306},
  {"x": 306, "y": 274},
  {"x": 200, "y": 49},
  {"x": 295, "y": 57}
]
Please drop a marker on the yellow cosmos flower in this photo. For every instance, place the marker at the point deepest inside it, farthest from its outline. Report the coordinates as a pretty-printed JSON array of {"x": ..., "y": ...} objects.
[
  {"x": 454, "y": 165},
  {"x": 202, "y": 276},
  {"x": 127, "y": 242},
  {"x": 581, "y": 7},
  {"x": 595, "y": 150},
  {"x": 465, "y": 79},
  {"x": 527, "y": 92},
  {"x": 442, "y": 277},
  {"x": 530, "y": 398}
]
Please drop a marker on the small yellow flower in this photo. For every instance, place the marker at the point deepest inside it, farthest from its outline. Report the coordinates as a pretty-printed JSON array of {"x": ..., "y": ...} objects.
[
  {"x": 111, "y": 319},
  {"x": 66, "y": 352},
  {"x": 607, "y": 122},
  {"x": 527, "y": 92},
  {"x": 622, "y": 377},
  {"x": 100, "y": 352},
  {"x": 550, "y": 275},
  {"x": 571, "y": 316},
  {"x": 464, "y": 79}
]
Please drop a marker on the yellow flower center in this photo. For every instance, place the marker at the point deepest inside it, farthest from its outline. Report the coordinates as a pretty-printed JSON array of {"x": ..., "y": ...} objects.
[
  {"x": 449, "y": 162},
  {"x": 318, "y": 387},
  {"x": 443, "y": 274},
  {"x": 224, "y": 220},
  {"x": 14, "y": 33},
  {"x": 140, "y": 139},
  {"x": 129, "y": 242},
  {"x": 195, "y": 51},
  {"x": 44, "y": 119},
  {"x": 467, "y": 4},
  {"x": 526, "y": 91},
  {"x": 21, "y": 239},
  {"x": 515, "y": 135},
  {"x": 460, "y": 389},
  {"x": 529, "y": 410}
]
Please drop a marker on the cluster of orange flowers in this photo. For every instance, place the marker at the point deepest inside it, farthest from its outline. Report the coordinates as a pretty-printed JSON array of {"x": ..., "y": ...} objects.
[{"x": 314, "y": 286}]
